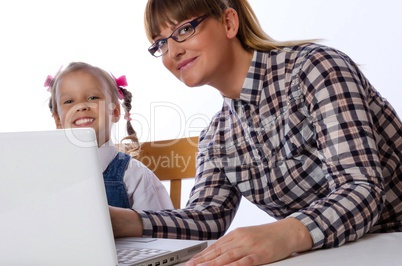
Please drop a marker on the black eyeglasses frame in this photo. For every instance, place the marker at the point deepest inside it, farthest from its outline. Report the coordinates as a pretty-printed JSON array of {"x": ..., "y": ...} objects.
[{"x": 194, "y": 23}]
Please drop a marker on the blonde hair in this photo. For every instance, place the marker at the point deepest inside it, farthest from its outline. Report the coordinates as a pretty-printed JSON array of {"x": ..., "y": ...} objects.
[
  {"x": 133, "y": 148},
  {"x": 162, "y": 13}
]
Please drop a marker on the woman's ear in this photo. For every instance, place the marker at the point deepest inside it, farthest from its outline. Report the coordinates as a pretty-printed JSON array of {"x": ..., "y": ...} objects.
[
  {"x": 116, "y": 113},
  {"x": 231, "y": 20},
  {"x": 57, "y": 121}
]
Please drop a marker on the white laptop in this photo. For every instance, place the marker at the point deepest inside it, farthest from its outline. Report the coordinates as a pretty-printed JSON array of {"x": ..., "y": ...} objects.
[{"x": 53, "y": 206}]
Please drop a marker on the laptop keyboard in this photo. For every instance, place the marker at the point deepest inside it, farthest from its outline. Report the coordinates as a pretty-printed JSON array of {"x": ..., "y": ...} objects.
[{"x": 131, "y": 255}]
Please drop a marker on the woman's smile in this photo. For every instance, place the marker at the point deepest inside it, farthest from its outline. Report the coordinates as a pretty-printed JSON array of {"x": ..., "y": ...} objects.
[{"x": 185, "y": 63}]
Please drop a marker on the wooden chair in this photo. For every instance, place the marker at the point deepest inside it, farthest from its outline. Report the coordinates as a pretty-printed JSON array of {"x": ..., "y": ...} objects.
[{"x": 171, "y": 160}]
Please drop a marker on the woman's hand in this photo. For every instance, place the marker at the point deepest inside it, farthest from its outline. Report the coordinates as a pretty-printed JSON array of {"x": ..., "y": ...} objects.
[
  {"x": 125, "y": 222},
  {"x": 256, "y": 245}
]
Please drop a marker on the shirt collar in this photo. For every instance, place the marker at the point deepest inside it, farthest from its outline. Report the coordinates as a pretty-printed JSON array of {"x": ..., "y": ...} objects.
[
  {"x": 106, "y": 154},
  {"x": 255, "y": 78}
]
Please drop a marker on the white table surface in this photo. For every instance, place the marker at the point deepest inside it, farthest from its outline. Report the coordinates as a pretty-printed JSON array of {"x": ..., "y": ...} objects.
[{"x": 371, "y": 250}]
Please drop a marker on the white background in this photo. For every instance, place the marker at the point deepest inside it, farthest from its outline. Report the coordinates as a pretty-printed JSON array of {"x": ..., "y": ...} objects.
[{"x": 37, "y": 37}]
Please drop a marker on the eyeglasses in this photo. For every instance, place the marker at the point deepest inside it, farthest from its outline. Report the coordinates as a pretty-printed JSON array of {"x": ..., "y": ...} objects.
[{"x": 182, "y": 33}]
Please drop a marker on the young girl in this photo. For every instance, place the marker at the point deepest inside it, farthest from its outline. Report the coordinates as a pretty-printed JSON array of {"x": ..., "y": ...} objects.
[
  {"x": 83, "y": 95},
  {"x": 302, "y": 134}
]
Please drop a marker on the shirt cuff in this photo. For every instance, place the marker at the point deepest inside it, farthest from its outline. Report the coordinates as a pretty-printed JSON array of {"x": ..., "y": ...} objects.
[
  {"x": 147, "y": 230},
  {"x": 316, "y": 234}
]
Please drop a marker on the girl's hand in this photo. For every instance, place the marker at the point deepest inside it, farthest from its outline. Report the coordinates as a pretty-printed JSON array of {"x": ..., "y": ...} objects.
[{"x": 256, "y": 245}]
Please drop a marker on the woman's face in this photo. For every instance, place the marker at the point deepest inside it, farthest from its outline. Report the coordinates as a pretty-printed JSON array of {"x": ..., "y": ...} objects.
[
  {"x": 82, "y": 101},
  {"x": 198, "y": 60}
]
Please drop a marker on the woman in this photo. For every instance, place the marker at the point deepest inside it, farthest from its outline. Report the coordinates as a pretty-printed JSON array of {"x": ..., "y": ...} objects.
[{"x": 302, "y": 134}]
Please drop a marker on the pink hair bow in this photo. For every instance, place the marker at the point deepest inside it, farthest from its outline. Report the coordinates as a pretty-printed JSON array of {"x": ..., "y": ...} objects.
[
  {"x": 120, "y": 82},
  {"x": 49, "y": 79}
]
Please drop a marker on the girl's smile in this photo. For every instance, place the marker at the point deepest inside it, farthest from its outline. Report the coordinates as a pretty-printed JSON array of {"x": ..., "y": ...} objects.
[{"x": 83, "y": 122}]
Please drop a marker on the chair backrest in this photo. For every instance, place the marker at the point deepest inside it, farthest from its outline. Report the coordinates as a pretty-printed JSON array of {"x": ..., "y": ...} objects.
[{"x": 171, "y": 160}]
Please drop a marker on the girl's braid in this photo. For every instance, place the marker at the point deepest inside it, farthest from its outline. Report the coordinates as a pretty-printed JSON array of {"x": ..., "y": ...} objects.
[{"x": 133, "y": 148}]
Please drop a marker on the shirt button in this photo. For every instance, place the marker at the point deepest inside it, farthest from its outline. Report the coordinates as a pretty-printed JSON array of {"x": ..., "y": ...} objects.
[{"x": 280, "y": 163}]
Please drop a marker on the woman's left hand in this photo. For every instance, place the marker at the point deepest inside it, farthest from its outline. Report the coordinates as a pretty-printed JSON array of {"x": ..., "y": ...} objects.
[{"x": 256, "y": 245}]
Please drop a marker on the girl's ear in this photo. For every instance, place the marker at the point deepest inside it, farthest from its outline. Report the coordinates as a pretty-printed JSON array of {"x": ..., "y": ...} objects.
[
  {"x": 116, "y": 113},
  {"x": 231, "y": 20},
  {"x": 57, "y": 121}
]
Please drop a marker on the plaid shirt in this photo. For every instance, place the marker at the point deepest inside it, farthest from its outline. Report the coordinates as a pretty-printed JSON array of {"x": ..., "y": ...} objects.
[{"x": 309, "y": 138}]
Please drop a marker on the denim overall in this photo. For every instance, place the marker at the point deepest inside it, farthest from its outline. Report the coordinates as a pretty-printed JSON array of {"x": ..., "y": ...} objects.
[{"x": 113, "y": 178}]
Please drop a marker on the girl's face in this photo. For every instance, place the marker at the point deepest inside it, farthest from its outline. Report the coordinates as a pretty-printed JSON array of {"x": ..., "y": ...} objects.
[
  {"x": 200, "y": 59},
  {"x": 82, "y": 101}
]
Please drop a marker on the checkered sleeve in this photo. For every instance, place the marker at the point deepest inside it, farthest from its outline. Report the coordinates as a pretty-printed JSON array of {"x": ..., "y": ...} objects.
[
  {"x": 211, "y": 207},
  {"x": 338, "y": 103}
]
